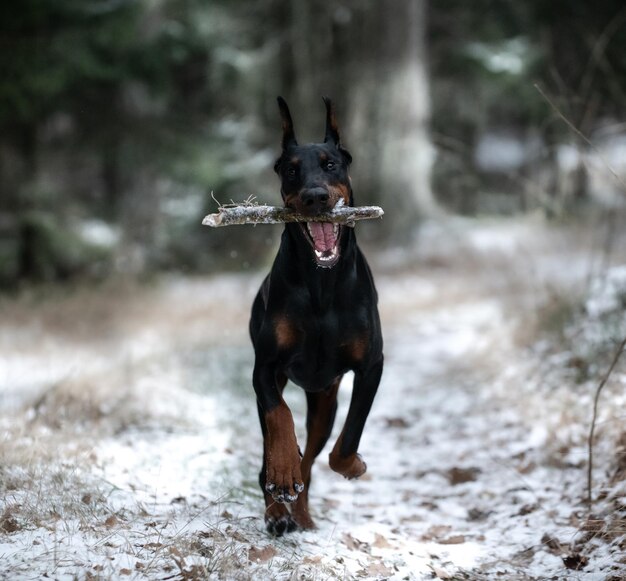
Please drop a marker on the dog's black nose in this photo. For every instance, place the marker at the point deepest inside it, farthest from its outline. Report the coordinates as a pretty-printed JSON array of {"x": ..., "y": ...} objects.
[{"x": 314, "y": 200}]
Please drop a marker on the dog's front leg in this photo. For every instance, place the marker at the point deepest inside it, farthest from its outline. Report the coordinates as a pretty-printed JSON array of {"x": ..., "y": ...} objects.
[
  {"x": 344, "y": 458},
  {"x": 283, "y": 479}
]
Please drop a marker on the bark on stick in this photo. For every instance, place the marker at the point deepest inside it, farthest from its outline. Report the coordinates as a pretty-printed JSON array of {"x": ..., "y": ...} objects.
[{"x": 249, "y": 214}]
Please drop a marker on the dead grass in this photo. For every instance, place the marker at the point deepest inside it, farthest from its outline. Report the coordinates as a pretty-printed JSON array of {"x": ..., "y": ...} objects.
[
  {"x": 50, "y": 487},
  {"x": 130, "y": 378},
  {"x": 49, "y": 482},
  {"x": 105, "y": 316}
]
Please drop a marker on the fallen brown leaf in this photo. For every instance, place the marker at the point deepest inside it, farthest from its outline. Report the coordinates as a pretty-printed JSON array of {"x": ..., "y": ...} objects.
[
  {"x": 440, "y": 573},
  {"x": 235, "y": 535},
  {"x": 452, "y": 540},
  {"x": 553, "y": 545},
  {"x": 375, "y": 569},
  {"x": 436, "y": 532},
  {"x": 461, "y": 475},
  {"x": 354, "y": 544},
  {"x": 396, "y": 423},
  {"x": 381, "y": 542},
  {"x": 256, "y": 554}
]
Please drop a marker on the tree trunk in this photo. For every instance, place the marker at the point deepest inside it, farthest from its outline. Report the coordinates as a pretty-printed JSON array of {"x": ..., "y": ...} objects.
[
  {"x": 370, "y": 58},
  {"x": 392, "y": 109}
]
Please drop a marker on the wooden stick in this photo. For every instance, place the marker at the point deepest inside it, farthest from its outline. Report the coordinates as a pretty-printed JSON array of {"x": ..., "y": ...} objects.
[{"x": 250, "y": 214}]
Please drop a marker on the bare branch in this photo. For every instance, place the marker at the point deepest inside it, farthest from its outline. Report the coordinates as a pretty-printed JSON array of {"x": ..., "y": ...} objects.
[
  {"x": 596, "y": 399},
  {"x": 580, "y": 134}
]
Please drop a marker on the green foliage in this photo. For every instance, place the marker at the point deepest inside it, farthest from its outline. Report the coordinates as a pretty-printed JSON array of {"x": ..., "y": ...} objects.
[
  {"x": 499, "y": 50},
  {"x": 50, "y": 47},
  {"x": 48, "y": 251},
  {"x": 103, "y": 100}
]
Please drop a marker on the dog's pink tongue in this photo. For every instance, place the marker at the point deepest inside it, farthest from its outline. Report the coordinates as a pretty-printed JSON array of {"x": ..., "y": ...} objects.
[{"x": 323, "y": 235}]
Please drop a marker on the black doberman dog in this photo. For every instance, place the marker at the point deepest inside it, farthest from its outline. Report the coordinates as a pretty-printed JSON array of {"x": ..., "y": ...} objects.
[{"x": 314, "y": 318}]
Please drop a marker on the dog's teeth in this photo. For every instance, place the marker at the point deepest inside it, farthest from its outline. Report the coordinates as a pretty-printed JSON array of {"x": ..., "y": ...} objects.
[{"x": 324, "y": 257}]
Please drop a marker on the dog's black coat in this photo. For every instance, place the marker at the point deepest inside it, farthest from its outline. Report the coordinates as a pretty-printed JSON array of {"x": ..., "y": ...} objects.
[{"x": 314, "y": 318}]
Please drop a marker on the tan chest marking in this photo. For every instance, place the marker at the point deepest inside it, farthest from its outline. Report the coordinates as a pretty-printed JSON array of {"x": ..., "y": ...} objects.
[
  {"x": 285, "y": 331},
  {"x": 357, "y": 348}
]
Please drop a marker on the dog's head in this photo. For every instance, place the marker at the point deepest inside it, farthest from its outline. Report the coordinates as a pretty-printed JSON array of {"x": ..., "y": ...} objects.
[{"x": 314, "y": 179}]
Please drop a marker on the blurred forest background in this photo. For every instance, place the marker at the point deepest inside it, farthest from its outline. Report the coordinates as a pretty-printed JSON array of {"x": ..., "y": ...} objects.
[
  {"x": 493, "y": 134},
  {"x": 118, "y": 118}
]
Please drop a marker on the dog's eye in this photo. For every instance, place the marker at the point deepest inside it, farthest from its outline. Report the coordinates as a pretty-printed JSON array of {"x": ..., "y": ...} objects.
[
  {"x": 291, "y": 172},
  {"x": 330, "y": 165}
]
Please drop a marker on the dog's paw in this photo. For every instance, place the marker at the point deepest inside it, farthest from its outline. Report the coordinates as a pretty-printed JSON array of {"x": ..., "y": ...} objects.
[
  {"x": 285, "y": 492},
  {"x": 278, "y": 525},
  {"x": 351, "y": 467},
  {"x": 284, "y": 479}
]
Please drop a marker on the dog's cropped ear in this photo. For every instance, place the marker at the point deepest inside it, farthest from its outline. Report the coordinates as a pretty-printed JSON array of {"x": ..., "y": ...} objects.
[
  {"x": 289, "y": 136},
  {"x": 332, "y": 130}
]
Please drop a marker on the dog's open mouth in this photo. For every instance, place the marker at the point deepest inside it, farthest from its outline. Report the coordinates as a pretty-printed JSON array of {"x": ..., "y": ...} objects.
[{"x": 324, "y": 239}]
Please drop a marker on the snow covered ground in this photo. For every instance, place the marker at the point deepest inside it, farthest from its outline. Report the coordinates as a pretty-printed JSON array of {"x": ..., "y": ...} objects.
[{"x": 130, "y": 447}]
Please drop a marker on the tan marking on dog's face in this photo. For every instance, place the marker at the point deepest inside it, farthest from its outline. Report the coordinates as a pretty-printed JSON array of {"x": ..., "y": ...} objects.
[
  {"x": 292, "y": 200},
  {"x": 338, "y": 192}
]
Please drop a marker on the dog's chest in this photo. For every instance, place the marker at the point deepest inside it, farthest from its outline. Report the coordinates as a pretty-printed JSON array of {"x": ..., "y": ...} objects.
[{"x": 327, "y": 346}]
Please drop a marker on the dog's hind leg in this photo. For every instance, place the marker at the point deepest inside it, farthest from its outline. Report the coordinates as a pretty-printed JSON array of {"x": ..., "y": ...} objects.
[{"x": 321, "y": 411}]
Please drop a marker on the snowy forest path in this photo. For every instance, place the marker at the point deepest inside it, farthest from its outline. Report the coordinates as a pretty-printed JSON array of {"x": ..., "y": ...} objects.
[
  {"x": 475, "y": 467},
  {"x": 453, "y": 483}
]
